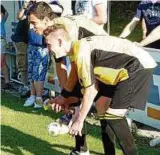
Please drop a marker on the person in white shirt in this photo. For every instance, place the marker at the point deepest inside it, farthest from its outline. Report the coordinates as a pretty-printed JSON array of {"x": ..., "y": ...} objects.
[{"x": 95, "y": 10}]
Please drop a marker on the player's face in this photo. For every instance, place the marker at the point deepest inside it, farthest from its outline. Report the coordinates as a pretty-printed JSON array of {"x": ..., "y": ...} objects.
[
  {"x": 55, "y": 45},
  {"x": 36, "y": 24}
]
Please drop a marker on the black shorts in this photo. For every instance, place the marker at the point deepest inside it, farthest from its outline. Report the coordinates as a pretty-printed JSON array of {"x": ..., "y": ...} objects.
[{"x": 132, "y": 92}]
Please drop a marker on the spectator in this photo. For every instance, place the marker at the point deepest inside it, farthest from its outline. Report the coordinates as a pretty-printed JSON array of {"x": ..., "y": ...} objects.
[
  {"x": 95, "y": 10},
  {"x": 4, "y": 67},
  {"x": 149, "y": 10},
  {"x": 37, "y": 61},
  {"x": 20, "y": 39},
  {"x": 37, "y": 68}
]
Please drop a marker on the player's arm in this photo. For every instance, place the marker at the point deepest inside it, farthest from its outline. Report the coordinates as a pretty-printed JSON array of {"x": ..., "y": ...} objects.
[
  {"x": 152, "y": 37},
  {"x": 129, "y": 28},
  {"x": 72, "y": 79},
  {"x": 87, "y": 101},
  {"x": 67, "y": 84},
  {"x": 85, "y": 73},
  {"x": 61, "y": 72},
  {"x": 101, "y": 14},
  {"x": 86, "y": 76}
]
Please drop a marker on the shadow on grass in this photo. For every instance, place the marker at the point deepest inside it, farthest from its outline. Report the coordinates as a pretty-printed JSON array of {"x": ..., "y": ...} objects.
[
  {"x": 67, "y": 147},
  {"x": 17, "y": 140},
  {"x": 16, "y": 104},
  {"x": 13, "y": 141}
]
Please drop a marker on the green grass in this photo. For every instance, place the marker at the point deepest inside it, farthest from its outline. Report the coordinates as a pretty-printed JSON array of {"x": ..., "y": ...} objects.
[{"x": 24, "y": 133}]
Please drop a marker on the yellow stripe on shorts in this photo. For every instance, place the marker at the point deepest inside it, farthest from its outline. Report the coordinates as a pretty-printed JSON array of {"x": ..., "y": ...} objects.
[{"x": 108, "y": 116}]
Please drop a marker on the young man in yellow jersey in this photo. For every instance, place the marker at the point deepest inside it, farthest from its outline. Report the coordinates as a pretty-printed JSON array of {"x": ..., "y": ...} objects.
[{"x": 111, "y": 67}]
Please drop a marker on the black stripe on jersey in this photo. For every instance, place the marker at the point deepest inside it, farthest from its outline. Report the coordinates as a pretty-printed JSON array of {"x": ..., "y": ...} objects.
[
  {"x": 115, "y": 60},
  {"x": 83, "y": 33}
]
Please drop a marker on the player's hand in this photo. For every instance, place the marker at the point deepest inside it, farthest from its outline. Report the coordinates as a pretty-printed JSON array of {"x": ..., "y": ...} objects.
[
  {"x": 57, "y": 107},
  {"x": 76, "y": 124},
  {"x": 76, "y": 127},
  {"x": 58, "y": 103},
  {"x": 59, "y": 100}
]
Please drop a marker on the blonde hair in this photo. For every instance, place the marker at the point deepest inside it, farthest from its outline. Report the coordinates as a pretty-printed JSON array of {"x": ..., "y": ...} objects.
[{"x": 57, "y": 27}]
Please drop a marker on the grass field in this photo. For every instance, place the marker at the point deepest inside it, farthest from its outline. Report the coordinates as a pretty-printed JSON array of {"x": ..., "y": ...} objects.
[{"x": 24, "y": 133}]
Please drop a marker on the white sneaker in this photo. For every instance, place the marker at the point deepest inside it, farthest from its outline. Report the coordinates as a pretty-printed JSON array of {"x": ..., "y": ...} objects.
[
  {"x": 38, "y": 103},
  {"x": 29, "y": 102},
  {"x": 85, "y": 153},
  {"x": 56, "y": 128},
  {"x": 36, "y": 106},
  {"x": 75, "y": 152}
]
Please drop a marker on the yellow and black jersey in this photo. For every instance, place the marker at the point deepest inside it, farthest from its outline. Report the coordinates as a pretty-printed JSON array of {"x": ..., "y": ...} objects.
[
  {"x": 108, "y": 59},
  {"x": 80, "y": 26}
]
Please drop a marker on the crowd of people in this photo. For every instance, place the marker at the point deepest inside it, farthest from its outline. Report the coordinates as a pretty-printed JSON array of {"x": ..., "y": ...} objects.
[{"x": 111, "y": 73}]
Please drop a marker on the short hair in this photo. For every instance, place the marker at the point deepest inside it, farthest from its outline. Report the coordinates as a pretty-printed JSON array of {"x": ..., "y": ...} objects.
[
  {"x": 57, "y": 27},
  {"x": 42, "y": 10}
]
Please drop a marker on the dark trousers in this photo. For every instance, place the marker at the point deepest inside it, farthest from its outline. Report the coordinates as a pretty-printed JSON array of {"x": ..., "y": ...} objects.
[
  {"x": 81, "y": 143},
  {"x": 120, "y": 129}
]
